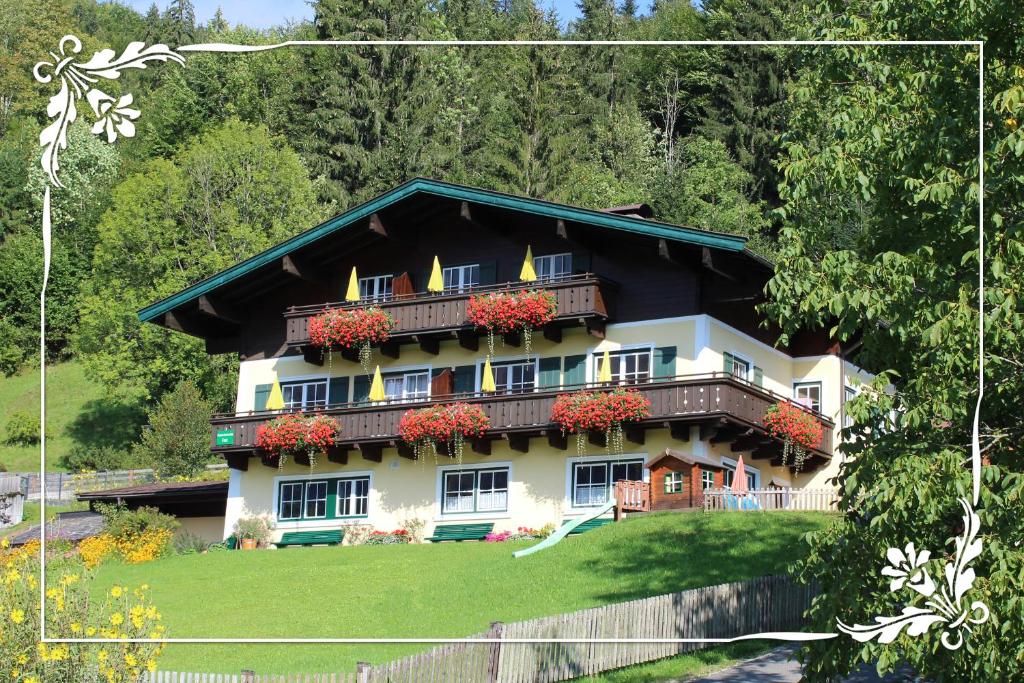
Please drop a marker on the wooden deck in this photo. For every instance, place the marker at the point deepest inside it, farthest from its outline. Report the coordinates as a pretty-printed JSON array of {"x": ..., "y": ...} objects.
[
  {"x": 427, "y": 318},
  {"x": 728, "y": 410}
]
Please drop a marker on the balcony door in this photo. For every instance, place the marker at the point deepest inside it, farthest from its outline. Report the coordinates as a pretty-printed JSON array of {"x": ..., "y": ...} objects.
[
  {"x": 407, "y": 386},
  {"x": 627, "y": 367},
  {"x": 515, "y": 377},
  {"x": 304, "y": 395},
  {"x": 459, "y": 279},
  {"x": 375, "y": 289}
]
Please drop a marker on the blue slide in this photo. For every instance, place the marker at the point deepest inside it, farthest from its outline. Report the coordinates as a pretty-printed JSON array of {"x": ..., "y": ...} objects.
[{"x": 564, "y": 530}]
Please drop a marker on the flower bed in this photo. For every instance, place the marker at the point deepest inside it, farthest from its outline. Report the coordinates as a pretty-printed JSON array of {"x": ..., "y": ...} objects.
[
  {"x": 396, "y": 537},
  {"x": 351, "y": 328},
  {"x": 520, "y": 534},
  {"x": 504, "y": 312},
  {"x": 798, "y": 430},
  {"x": 583, "y": 412},
  {"x": 451, "y": 424},
  {"x": 296, "y": 434}
]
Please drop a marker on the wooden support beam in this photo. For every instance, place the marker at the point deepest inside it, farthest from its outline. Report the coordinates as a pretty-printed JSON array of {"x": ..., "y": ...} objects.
[
  {"x": 749, "y": 440},
  {"x": 377, "y": 225},
  {"x": 680, "y": 431},
  {"x": 338, "y": 455},
  {"x": 481, "y": 446},
  {"x": 664, "y": 251},
  {"x": 405, "y": 450},
  {"x": 764, "y": 452},
  {"x": 374, "y": 452},
  {"x": 468, "y": 339},
  {"x": 518, "y": 442},
  {"x": 237, "y": 461},
  {"x": 298, "y": 268},
  {"x": 390, "y": 349},
  {"x": 182, "y": 322},
  {"x": 724, "y": 435},
  {"x": 635, "y": 434},
  {"x": 219, "y": 310},
  {"x": 217, "y": 345},
  {"x": 561, "y": 230},
  {"x": 595, "y": 328},
  {"x": 431, "y": 345},
  {"x": 464, "y": 212},
  {"x": 553, "y": 333},
  {"x": 313, "y": 355},
  {"x": 707, "y": 262},
  {"x": 709, "y": 429},
  {"x": 556, "y": 439}
]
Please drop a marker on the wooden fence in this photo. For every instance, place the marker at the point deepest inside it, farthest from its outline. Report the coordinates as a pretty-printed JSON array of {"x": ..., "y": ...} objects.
[
  {"x": 64, "y": 486},
  {"x": 771, "y": 603},
  {"x": 758, "y": 500}
]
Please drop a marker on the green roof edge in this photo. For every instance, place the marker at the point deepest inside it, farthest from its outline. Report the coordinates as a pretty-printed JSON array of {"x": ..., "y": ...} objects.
[{"x": 538, "y": 207}]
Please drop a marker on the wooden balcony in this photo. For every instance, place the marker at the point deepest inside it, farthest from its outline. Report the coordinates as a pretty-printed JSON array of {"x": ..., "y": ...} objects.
[
  {"x": 728, "y": 410},
  {"x": 427, "y": 319}
]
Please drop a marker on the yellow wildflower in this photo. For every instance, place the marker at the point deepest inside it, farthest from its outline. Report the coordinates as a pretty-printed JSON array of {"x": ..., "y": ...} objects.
[
  {"x": 17, "y": 615},
  {"x": 116, "y": 591},
  {"x": 116, "y": 618}
]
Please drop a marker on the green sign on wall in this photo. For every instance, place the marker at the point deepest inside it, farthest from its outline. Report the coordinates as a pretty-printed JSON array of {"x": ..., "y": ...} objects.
[{"x": 226, "y": 437}]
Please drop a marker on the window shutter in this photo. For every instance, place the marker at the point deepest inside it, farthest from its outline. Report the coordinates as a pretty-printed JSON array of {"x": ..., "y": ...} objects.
[
  {"x": 581, "y": 261},
  {"x": 575, "y": 370},
  {"x": 488, "y": 273},
  {"x": 665, "y": 361},
  {"x": 402, "y": 287},
  {"x": 758, "y": 376},
  {"x": 464, "y": 380},
  {"x": 337, "y": 390},
  {"x": 360, "y": 389},
  {"x": 727, "y": 363},
  {"x": 441, "y": 382},
  {"x": 550, "y": 372},
  {"x": 262, "y": 394}
]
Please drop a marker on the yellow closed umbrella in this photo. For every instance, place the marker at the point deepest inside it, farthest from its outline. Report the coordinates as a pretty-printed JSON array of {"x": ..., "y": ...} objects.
[
  {"x": 436, "y": 283},
  {"x": 487, "y": 381},
  {"x": 276, "y": 399},
  {"x": 528, "y": 274},
  {"x": 353, "y": 287},
  {"x": 377, "y": 387},
  {"x": 605, "y": 373}
]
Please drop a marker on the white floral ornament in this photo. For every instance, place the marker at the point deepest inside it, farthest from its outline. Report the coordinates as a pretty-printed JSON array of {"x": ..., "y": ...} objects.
[
  {"x": 113, "y": 117},
  {"x": 945, "y": 606}
]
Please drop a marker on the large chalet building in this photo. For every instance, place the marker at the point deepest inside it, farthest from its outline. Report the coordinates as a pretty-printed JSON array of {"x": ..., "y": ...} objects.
[{"x": 673, "y": 307}]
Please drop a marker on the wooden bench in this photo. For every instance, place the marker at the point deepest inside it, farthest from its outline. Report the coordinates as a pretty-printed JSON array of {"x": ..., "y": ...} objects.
[
  {"x": 591, "y": 524},
  {"x": 328, "y": 537},
  {"x": 461, "y": 532}
]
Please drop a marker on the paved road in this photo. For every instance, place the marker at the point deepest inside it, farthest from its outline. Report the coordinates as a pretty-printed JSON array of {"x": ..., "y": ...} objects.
[{"x": 778, "y": 667}]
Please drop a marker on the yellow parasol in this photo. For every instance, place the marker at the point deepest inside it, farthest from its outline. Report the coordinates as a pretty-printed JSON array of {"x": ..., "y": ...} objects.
[
  {"x": 276, "y": 399},
  {"x": 436, "y": 283},
  {"x": 377, "y": 387},
  {"x": 528, "y": 274},
  {"x": 487, "y": 381},
  {"x": 353, "y": 287},
  {"x": 604, "y": 374}
]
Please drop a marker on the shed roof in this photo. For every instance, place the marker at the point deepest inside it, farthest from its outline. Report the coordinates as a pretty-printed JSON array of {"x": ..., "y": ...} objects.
[
  {"x": 68, "y": 526},
  {"x": 685, "y": 458},
  {"x": 165, "y": 491}
]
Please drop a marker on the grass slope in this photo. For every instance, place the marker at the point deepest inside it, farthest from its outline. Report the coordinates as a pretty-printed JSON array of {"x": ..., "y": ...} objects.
[
  {"x": 78, "y": 414},
  {"x": 447, "y": 590}
]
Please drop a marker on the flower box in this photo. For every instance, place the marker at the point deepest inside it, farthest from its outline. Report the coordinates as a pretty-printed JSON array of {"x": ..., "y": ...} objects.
[
  {"x": 505, "y": 312},
  {"x": 583, "y": 412},
  {"x": 354, "y": 328},
  {"x": 297, "y": 434},
  {"x": 451, "y": 425},
  {"x": 799, "y": 431}
]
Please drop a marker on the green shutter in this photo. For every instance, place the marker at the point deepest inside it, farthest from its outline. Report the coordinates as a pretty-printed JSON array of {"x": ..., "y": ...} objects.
[
  {"x": 488, "y": 273},
  {"x": 575, "y": 370},
  {"x": 262, "y": 394},
  {"x": 464, "y": 381},
  {"x": 581, "y": 261},
  {"x": 550, "y": 372},
  {"x": 727, "y": 363},
  {"x": 758, "y": 376},
  {"x": 337, "y": 390},
  {"x": 665, "y": 361},
  {"x": 360, "y": 388}
]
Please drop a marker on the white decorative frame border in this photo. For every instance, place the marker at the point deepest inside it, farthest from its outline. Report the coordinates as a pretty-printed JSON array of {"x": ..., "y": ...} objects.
[{"x": 946, "y": 606}]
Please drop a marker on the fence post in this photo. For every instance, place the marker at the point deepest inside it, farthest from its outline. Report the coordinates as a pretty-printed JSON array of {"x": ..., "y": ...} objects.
[
  {"x": 362, "y": 672},
  {"x": 248, "y": 676},
  {"x": 494, "y": 651}
]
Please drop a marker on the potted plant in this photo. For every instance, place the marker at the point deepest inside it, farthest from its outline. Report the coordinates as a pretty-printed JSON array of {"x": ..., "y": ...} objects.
[
  {"x": 450, "y": 424},
  {"x": 252, "y": 532},
  {"x": 799, "y": 431},
  {"x": 583, "y": 412},
  {"x": 297, "y": 434},
  {"x": 504, "y": 312},
  {"x": 357, "y": 328}
]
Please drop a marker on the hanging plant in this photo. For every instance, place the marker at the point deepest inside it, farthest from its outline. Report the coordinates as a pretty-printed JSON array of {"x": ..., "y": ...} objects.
[
  {"x": 583, "y": 412},
  {"x": 798, "y": 430},
  {"x": 505, "y": 312},
  {"x": 359, "y": 328},
  {"x": 297, "y": 434},
  {"x": 451, "y": 424}
]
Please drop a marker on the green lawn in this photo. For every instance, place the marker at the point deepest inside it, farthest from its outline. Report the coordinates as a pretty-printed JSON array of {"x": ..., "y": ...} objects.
[
  {"x": 447, "y": 590},
  {"x": 687, "y": 666},
  {"x": 78, "y": 415}
]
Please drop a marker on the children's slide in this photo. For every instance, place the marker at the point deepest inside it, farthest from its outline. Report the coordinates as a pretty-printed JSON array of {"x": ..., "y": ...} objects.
[{"x": 564, "y": 530}]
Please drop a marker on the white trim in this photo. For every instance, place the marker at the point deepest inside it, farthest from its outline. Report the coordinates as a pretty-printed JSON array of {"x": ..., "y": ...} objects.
[
  {"x": 655, "y": 321},
  {"x": 730, "y": 464},
  {"x": 291, "y": 524},
  {"x": 441, "y": 516},
  {"x": 701, "y": 337},
  {"x": 756, "y": 342},
  {"x": 569, "y": 509},
  {"x": 810, "y": 380}
]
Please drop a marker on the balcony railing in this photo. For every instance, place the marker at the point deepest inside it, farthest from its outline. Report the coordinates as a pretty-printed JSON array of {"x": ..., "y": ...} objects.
[
  {"x": 729, "y": 410},
  {"x": 425, "y": 317}
]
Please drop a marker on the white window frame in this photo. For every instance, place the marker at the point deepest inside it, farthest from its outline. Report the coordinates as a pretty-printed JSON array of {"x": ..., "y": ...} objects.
[
  {"x": 597, "y": 353},
  {"x": 385, "y": 281},
  {"x": 294, "y": 524},
  {"x": 306, "y": 499},
  {"x": 704, "y": 485},
  {"x": 305, "y": 384},
  {"x": 405, "y": 397},
  {"x": 509, "y": 360},
  {"x": 302, "y": 498},
  {"x": 550, "y": 258},
  {"x": 353, "y": 499},
  {"x": 461, "y": 270},
  {"x": 442, "y": 470},
  {"x": 569, "y": 503},
  {"x": 850, "y": 392},
  {"x": 749, "y": 376},
  {"x": 673, "y": 474},
  {"x": 730, "y": 464},
  {"x": 797, "y": 384}
]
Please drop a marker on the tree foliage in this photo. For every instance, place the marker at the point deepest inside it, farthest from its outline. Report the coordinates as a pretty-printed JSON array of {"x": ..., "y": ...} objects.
[{"x": 177, "y": 441}]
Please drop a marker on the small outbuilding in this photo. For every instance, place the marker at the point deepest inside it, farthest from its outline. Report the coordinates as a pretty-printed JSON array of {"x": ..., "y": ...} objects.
[
  {"x": 13, "y": 490},
  {"x": 198, "y": 505},
  {"x": 678, "y": 479}
]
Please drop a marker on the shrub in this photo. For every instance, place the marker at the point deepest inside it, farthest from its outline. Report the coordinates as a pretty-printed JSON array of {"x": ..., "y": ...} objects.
[
  {"x": 178, "y": 440},
  {"x": 97, "y": 459},
  {"x": 136, "y": 535},
  {"x": 123, "y": 523},
  {"x": 189, "y": 543},
  {"x": 256, "y": 528},
  {"x": 416, "y": 527},
  {"x": 22, "y": 428}
]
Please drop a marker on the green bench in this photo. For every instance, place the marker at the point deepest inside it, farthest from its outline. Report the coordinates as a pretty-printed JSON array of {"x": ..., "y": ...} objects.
[
  {"x": 329, "y": 537},
  {"x": 461, "y": 532},
  {"x": 591, "y": 524}
]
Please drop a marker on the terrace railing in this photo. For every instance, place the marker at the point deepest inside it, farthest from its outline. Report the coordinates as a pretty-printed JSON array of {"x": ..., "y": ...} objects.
[{"x": 821, "y": 500}]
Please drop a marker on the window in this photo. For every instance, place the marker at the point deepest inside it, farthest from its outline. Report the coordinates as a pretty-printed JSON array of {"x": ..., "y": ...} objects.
[
  {"x": 290, "y": 503},
  {"x": 353, "y": 497},
  {"x": 808, "y": 394},
  {"x": 592, "y": 481},
  {"x": 376, "y": 288},
  {"x": 552, "y": 267},
  {"x": 674, "y": 482},
  {"x": 515, "y": 377},
  {"x": 407, "y": 386},
  {"x": 479, "y": 490},
  {"x": 707, "y": 479},
  {"x": 730, "y": 470},
  {"x": 849, "y": 393},
  {"x": 736, "y": 366},
  {"x": 627, "y": 366},
  {"x": 316, "y": 499},
  {"x": 460, "y": 278},
  {"x": 303, "y": 395}
]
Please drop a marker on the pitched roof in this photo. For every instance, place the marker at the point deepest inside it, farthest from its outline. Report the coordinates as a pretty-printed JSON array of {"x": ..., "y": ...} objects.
[
  {"x": 602, "y": 219},
  {"x": 68, "y": 526},
  {"x": 685, "y": 458},
  {"x": 164, "y": 490}
]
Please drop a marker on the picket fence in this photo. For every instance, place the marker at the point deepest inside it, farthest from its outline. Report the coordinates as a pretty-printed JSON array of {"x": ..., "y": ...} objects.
[
  {"x": 771, "y": 603},
  {"x": 824, "y": 500}
]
